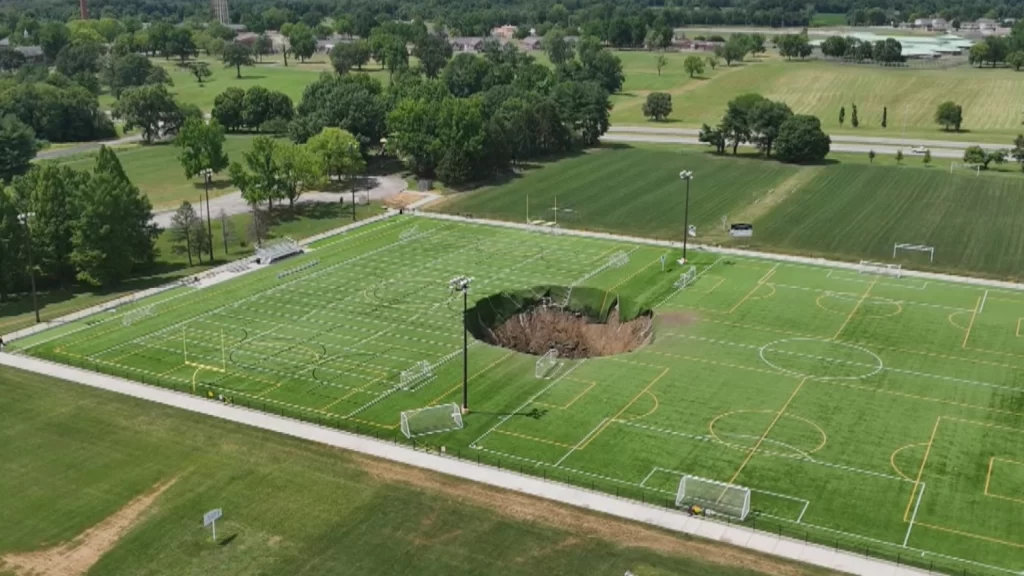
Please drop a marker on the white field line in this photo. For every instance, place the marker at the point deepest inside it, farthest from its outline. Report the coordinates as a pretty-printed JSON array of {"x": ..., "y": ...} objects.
[
  {"x": 983, "y": 299},
  {"x": 475, "y": 443},
  {"x": 680, "y": 289},
  {"x": 855, "y": 297},
  {"x": 800, "y": 518},
  {"x": 776, "y": 494},
  {"x": 648, "y": 477},
  {"x": 914, "y": 517},
  {"x": 582, "y": 440}
]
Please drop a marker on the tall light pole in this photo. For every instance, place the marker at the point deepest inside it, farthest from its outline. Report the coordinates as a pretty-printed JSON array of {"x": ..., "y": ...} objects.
[
  {"x": 461, "y": 284},
  {"x": 23, "y": 218},
  {"x": 686, "y": 175},
  {"x": 352, "y": 148},
  {"x": 208, "y": 177}
]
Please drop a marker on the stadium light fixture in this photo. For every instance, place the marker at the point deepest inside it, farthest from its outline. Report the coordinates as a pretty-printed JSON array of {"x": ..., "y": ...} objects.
[
  {"x": 461, "y": 284},
  {"x": 23, "y": 218},
  {"x": 686, "y": 175}
]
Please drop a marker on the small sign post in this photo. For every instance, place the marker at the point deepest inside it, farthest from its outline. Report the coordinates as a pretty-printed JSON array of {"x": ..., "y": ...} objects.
[
  {"x": 210, "y": 519},
  {"x": 662, "y": 262}
]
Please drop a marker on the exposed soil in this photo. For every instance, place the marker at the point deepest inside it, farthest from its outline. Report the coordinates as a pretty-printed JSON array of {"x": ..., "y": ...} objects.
[
  {"x": 402, "y": 199},
  {"x": 585, "y": 525},
  {"x": 572, "y": 334},
  {"x": 76, "y": 557}
]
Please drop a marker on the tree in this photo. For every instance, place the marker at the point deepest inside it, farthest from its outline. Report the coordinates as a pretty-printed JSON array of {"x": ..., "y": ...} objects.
[
  {"x": 555, "y": 46},
  {"x": 227, "y": 230},
  {"x": 339, "y": 151},
  {"x": 11, "y": 59},
  {"x": 201, "y": 70},
  {"x": 261, "y": 106},
  {"x": 794, "y": 46},
  {"x": 736, "y": 124},
  {"x": 801, "y": 140},
  {"x": 262, "y": 46},
  {"x": 237, "y": 55},
  {"x": 1018, "y": 150},
  {"x": 433, "y": 52},
  {"x": 183, "y": 224},
  {"x": 303, "y": 41},
  {"x": 713, "y": 136},
  {"x": 151, "y": 108},
  {"x": 899, "y": 156},
  {"x": 842, "y": 115},
  {"x": 53, "y": 37},
  {"x": 885, "y": 117},
  {"x": 52, "y": 194},
  {"x": 131, "y": 70},
  {"x": 298, "y": 170},
  {"x": 1016, "y": 59},
  {"x": 202, "y": 147},
  {"x": 871, "y": 156},
  {"x": 766, "y": 119},
  {"x": 258, "y": 184},
  {"x": 394, "y": 55},
  {"x": 658, "y": 106},
  {"x": 13, "y": 245},
  {"x": 712, "y": 61},
  {"x": 757, "y": 43},
  {"x": 228, "y": 109},
  {"x": 978, "y": 54},
  {"x": 17, "y": 147},
  {"x": 693, "y": 65},
  {"x": 179, "y": 44},
  {"x": 354, "y": 102},
  {"x": 113, "y": 233},
  {"x": 345, "y": 56},
  {"x": 854, "y": 121},
  {"x": 465, "y": 73},
  {"x": 660, "y": 61},
  {"x": 978, "y": 155},
  {"x": 78, "y": 59},
  {"x": 949, "y": 115},
  {"x": 927, "y": 159},
  {"x": 734, "y": 50}
]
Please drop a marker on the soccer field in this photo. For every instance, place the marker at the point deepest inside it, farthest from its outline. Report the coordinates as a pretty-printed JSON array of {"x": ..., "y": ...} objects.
[{"x": 874, "y": 413}]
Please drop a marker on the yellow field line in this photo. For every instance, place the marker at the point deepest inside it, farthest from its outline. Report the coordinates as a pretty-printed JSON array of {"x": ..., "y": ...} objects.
[
  {"x": 357, "y": 390},
  {"x": 892, "y": 459},
  {"x": 767, "y": 431},
  {"x": 920, "y": 470},
  {"x": 984, "y": 424},
  {"x": 923, "y": 398},
  {"x": 624, "y": 408},
  {"x": 970, "y": 535},
  {"x": 525, "y": 437},
  {"x": 166, "y": 372},
  {"x": 471, "y": 377},
  {"x": 634, "y": 274},
  {"x": 971, "y": 325},
  {"x": 855, "y": 308},
  {"x": 760, "y": 283},
  {"x": 717, "y": 363},
  {"x": 988, "y": 477},
  {"x": 1018, "y": 326},
  {"x": 377, "y": 424},
  {"x": 573, "y": 401}
]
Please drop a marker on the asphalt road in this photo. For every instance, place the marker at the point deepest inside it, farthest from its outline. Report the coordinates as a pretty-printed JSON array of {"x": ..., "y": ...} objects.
[{"x": 85, "y": 147}]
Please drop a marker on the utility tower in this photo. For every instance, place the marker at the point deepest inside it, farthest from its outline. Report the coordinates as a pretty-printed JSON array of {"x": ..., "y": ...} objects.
[{"x": 220, "y": 11}]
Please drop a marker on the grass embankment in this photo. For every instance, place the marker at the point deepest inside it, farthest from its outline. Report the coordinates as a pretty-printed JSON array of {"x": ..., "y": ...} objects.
[{"x": 72, "y": 456}]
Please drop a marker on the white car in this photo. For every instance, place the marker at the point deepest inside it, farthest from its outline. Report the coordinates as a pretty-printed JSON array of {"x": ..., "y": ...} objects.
[{"x": 918, "y": 150}]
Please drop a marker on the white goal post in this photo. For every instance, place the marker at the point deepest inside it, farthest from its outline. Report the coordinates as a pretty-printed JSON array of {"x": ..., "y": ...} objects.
[
  {"x": 136, "y": 315},
  {"x": 881, "y": 268},
  {"x": 969, "y": 166},
  {"x": 431, "y": 420},
  {"x": 419, "y": 373},
  {"x": 545, "y": 364},
  {"x": 914, "y": 248},
  {"x": 686, "y": 278},
  {"x": 714, "y": 496}
]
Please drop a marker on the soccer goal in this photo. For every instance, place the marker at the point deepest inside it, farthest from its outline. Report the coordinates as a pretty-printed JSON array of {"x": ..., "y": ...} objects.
[
  {"x": 716, "y": 497},
  {"x": 421, "y": 372},
  {"x": 686, "y": 278},
  {"x": 136, "y": 315},
  {"x": 432, "y": 420},
  {"x": 969, "y": 166},
  {"x": 930, "y": 250},
  {"x": 881, "y": 268},
  {"x": 546, "y": 363}
]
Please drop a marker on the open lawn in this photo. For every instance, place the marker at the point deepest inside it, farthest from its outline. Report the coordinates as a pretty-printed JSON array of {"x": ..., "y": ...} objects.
[
  {"x": 157, "y": 172},
  {"x": 842, "y": 209},
  {"x": 875, "y": 413},
  {"x": 304, "y": 221},
  {"x": 990, "y": 98},
  {"x": 71, "y": 457}
]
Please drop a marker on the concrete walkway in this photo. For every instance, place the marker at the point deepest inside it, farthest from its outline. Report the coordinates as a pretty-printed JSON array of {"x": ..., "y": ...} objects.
[{"x": 599, "y": 502}]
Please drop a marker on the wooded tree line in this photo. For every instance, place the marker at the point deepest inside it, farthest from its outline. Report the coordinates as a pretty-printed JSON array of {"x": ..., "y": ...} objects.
[
  {"x": 72, "y": 225},
  {"x": 849, "y": 48},
  {"x": 771, "y": 127}
]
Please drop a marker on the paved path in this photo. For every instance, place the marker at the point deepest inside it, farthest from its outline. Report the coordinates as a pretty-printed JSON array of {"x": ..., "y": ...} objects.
[
  {"x": 621, "y": 508},
  {"x": 381, "y": 187},
  {"x": 85, "y": 147},
  {"x": 881, "y": 150}
]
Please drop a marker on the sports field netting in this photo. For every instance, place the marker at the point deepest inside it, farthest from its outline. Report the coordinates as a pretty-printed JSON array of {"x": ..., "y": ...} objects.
[{"x": 875, "y": 413}]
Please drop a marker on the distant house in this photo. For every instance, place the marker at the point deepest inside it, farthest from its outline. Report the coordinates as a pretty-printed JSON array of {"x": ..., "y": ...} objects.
[
  {"x": 469, "y": 44},
  {"x": 33, "y": 54},
  {"x": 247, "y": 38},
  {"x": 506, "y": 31},
  {"x": 938, "y": 25},
  {"x": 531, "y": 43}
]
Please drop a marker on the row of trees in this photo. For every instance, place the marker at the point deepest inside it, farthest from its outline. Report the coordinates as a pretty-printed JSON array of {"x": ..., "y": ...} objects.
[
  {"x": 256, "y": 109},
  {"x": 90, "y": 226},
  {"x": 771, "y": 127},
  {"x": 849, "y": 48}
]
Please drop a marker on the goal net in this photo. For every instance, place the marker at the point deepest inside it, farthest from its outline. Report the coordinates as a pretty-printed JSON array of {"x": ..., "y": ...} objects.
[
  {"x": 421, "y": 372},
  {"x": 717, "y": 497},
  {"x": 868, "y": 267},
  {"x": 976, "y": 168},
  {"x": 432, "y": 420},
  {"x": 546, "y": 363},
  {"x": 929, "y": 250},
  {"x": 136, "y": 315},
  {"x": 686, "y": 278}
]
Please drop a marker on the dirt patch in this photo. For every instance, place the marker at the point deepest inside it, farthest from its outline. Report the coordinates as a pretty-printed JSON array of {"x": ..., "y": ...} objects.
[
  {"x": 402, "y": 199},
  {"x": 572, "y": 334},
  {"x": 78, "y": 556},
  {"x": 574, "y": 521},
  {"x": 678, "y": 319},
  {"x": 767, "y": 202}
]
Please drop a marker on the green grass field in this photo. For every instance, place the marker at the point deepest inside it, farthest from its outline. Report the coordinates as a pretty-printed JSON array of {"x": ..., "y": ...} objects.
[
  {"x": 72, "y": 456},
  {"x": 158, "y": 173},
  {"x": 875, "y": 413},
  {"x": 989, "y": 97},
  {"x": 846, "y": 209}
]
